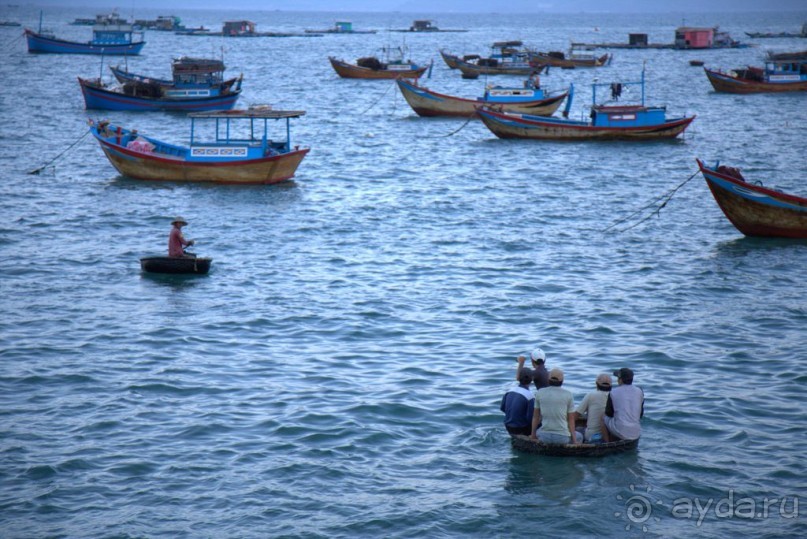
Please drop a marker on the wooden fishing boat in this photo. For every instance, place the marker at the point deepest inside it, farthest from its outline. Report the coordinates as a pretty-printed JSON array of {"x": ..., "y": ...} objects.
[
  {"x": 373, "y": 68},
  {"x": 186, "y": 73},
  {"x": 525, "y": 99},
  {"x": 450, "y": 59},
  {"x": 573, "y": 59},
  {"x": 239, "y": 153},
  {"x": 753, "y": 209},
  {"x": 607, "y": 122},
  {"x": 528, "y": 445},
  {"x": 384, "y": 71},
  {"x": 144, "y": 96},
  {"x": 776, "y": 76},
  {"x": 506, "y": 58},
  {"x": 392, "y": 67},
  {"x": 107, "y": 39},
  {"x": 175, "y": 265}
]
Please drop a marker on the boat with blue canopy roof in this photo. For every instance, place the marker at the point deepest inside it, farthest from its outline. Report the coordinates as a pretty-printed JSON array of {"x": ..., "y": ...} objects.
[
  {"x": 240, "y": 152},
  {"x": 607, "y": 122}
]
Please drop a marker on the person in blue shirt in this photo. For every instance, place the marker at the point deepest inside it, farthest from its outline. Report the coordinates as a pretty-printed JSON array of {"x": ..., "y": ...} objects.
[{"x": 518, "y": 405}]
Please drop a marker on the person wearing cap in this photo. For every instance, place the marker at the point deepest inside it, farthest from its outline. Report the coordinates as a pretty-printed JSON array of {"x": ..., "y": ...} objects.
[
  {"x": 593, "y": 408},
  {"x": 176, "y": 241},
  {"x": 624, "y": 409},
  {"x": 518, "y": 405},
  {"x": 540, "y": 376},
  {"x": 554, "y": 412}
]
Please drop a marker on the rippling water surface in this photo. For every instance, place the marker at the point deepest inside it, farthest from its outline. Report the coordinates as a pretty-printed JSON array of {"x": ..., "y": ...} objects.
[{"x": 338, "y": 373}]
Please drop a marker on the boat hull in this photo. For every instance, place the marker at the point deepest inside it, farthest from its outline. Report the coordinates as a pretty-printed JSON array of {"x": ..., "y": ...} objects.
[
  {"x": 528, "y": 445},
  {"x": 140, "y": 166},
  {"x": 430, "y": 104},
  {"x": 350, "y": 71},
  {"x": 755, "y": 210},
  {"x": 96, "y": 97},
  {"x": 449, "y": 59},
  {"x": 175, "y": 265},
  {"x": 723, "y": 82},
  {"x": 471, "y": 69},
  {"x": 542, "y": 59},
  {"x": 42, "y": 44},
  {"x": 509, "y": 126}
]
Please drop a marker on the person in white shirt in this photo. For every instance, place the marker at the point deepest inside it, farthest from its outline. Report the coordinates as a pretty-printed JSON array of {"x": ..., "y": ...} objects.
[{"x": 624, "y": 409}]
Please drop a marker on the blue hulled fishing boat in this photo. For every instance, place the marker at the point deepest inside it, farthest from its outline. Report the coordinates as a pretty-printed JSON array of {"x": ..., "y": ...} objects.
[
  {"x": 108, "y": 39},
  {"x": 607, "y": 122},
  {"x": 197, "y": 85}
]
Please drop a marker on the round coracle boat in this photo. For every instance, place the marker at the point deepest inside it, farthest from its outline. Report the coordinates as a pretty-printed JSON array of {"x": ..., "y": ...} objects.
[
  {"x": 528, "y": 445},
  {"x": 170, "y": 264}
]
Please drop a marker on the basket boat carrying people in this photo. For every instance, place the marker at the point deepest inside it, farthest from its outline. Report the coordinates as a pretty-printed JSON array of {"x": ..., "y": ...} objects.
[{"x": 528, "y": 445}]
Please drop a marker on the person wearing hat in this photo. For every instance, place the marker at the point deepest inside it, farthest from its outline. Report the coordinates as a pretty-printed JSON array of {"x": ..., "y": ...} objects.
[
  {"x": 518, "y": 405},
  {"x": 624, "y": 409},
  {"x": 540, "y": 376},
  {"x": 593, "y": 408},
  {"x": 554, "y": 412},
  {"x": 176, "y": 241}
]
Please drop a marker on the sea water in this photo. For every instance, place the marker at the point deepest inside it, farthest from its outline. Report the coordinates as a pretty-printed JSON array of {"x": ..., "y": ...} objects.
[{"x": 339, "y": 371}]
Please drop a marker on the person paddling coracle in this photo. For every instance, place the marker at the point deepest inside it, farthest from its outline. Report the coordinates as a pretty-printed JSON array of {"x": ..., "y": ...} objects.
[{"x": 176, "y": 241}]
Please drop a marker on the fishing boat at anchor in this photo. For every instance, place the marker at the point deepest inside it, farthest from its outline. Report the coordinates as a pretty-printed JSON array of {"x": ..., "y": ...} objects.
[
  {"x": 197, "y": 85},
  {"x": 506, "y": 58},
  {"x": 370, "y": 67},
  {"x": 778, "y": 75},
  {"x": 571, "y": 60},
  {"x": 607, "y": 122},
  {"x": 753, "y": 209},
  {"x": 528, "y": 99},
  {"x": 239, "y": 153},
  {"x": 186, "y": 73},
  {"x": 175, "y": 265},
  {"x": 107, "y": 39},
  {"x": 145, "y": 96}
]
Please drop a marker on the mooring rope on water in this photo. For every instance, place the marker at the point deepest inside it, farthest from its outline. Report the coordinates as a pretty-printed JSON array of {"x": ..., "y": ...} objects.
[
  {"x": 666, "y": 197},
  {"x": 12, "y": 42},
  {"x": 374, "y": 103},
  {"x": 460, "y": 128},
  {"x": 38, "y": 170}
]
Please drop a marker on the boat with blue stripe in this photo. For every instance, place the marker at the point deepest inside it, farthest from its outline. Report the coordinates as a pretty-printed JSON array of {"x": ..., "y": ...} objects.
[
  {"x": 238, "y": 152},
  {"x": 198, "y": 85},
  {"x": 607, "y": 122},
  {"x": 529, "y": 98},
  {"x": 107, "y": 39},
  {"x": 753, "y": 209}
]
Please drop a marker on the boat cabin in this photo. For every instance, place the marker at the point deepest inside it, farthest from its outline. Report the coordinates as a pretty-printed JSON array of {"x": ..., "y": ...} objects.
[
  {"x": 238, "y": 28},
  {"x": 240, "y": 133},
  {"x": 423, "y": 26},
  {"x": 786, "y": 71},
  {"x": 627, "y": 116},
  {"x": 113, "y": 34},
  {"x": 343, "y": 26},
  {"x": 694, "y": 38},
  {"x": 197, "y": 71}
]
